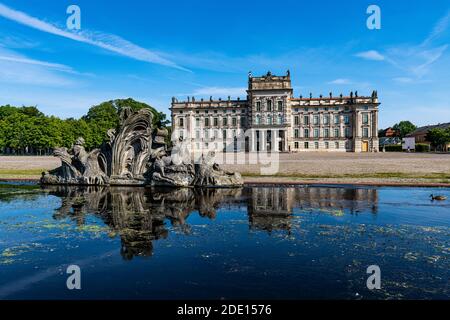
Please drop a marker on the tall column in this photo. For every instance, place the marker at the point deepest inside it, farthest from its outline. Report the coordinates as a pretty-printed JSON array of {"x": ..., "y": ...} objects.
[
  {"x": 274, "y": 140},
  {"x": 375, "y": 124},
  {"x": 358, "y": 124},
  {"x": 262, "y": 140},
  {"x": 252, "y": 141}
]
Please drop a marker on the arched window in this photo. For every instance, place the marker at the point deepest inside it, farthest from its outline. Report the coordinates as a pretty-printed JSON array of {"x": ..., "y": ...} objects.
[
  {"x": 280, "y": 119},
  {"x": 258, "y": 119},
  {"x": 269, "y": 119}
]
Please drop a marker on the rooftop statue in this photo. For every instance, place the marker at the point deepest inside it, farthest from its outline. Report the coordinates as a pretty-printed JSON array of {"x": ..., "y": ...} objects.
[{"x": 137, "y": 154}]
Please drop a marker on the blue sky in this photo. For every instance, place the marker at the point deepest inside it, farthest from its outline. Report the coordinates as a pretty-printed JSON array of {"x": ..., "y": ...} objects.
[{"x": 153, "y": 50}]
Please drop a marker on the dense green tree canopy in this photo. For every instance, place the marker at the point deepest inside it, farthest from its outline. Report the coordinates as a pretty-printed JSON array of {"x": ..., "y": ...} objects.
[
  {"x": 404, "y": 127},
  {"x": 27, "y": 130},
  {"x": 439, "y": 137}
]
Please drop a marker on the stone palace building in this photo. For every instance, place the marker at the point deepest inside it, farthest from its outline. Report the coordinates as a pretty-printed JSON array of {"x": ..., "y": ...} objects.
[{"x": 272, "y": 119}]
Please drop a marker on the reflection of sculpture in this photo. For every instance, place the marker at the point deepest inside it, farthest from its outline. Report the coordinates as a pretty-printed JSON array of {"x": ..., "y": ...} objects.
[
  {"x": 138, "y": 216},
  {"x": 134, "y": 154}
]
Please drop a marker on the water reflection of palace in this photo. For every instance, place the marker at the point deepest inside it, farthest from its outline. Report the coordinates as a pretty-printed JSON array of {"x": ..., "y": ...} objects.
[
  {"x": 271, "y": 208},
  {"x": 140, "y": 215}
]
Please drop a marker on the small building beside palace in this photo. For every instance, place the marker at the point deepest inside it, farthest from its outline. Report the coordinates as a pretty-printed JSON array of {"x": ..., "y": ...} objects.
[{"x": 272, "y": 119}]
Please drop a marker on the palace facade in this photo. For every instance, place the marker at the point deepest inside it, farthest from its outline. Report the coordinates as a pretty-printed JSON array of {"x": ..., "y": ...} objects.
[{"x": 272, "y": 119}]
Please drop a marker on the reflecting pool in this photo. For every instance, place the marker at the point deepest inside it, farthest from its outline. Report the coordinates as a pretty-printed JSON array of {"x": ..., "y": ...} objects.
[{"x": 254, "y": 242}]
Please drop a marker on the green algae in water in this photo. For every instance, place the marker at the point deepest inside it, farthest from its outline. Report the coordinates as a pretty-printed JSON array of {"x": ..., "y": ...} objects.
[{"x": 291, "y": 243}]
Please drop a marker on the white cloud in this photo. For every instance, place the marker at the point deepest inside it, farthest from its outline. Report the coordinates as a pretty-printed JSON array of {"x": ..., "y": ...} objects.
[
  {"x": 340, "y": 81},
  {"x": 403, "y": 80},
  {"x": 218, "y": 92},
  {"x": 15, "y": 68},
  {"x": 55, "y": 66},
  {"x": 439, "y": 28},
  {"x": 108, "y": 42},
  {"x": 371, "y": 55}
]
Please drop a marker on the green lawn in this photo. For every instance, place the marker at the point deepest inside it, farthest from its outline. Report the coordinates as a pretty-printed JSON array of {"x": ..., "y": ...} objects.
[{"x": 21, "y": 173}]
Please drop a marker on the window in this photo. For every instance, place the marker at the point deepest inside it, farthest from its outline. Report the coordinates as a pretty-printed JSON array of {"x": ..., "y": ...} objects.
[
  {"x": 296, "y": 145},
  {"x": 296, "y": 133},
  {"x": 346, "y": 119},
  {"x": 258, "y": 119},
  {"x": 258, "y": 106},
  {"x": 306, "y": 120},
  {"x": 197, "y": 134},
  {"x": 269, "y": 119},
  {"x": 336, "y": 119},
  {"x": 306, "y": 145},
  {"x": 234, "y": 122},
  {"x": 181, "y": 122},
  {"x": 326, "y": 120},
  {"x": 216, "y": 122},
  {"x": 197, "y": 122},
  {"x": 280, "y": 119},
  {"x": 296, "y": 120},
  {"x": 280, "y": 105},
  {"x": 347, "y": 133},
  {"x": 365, "y": 132},
  {"x": 306, "y": 133},
  {"x": 336, "y": 133},
  {"x": 269, "y": 105},
  {"x": 225, "y": 121},
  {"x": 181, "y": 134},
  {"x": 336, "y": 145},
  {"x": 327, "y": 145},
  {"x": 316, "y": 133},
  {"x": 206, "y": 122},
  {"x": 224, "y": 134},
  {"x": 316, "y": 145},
  {"x": 365, "y": 118},
  {"x": 243, "y": 121},
  {"x": 206, "y": 134},
  {"x": 316, "y": 120},
  {"x": 326, "y": 133}
]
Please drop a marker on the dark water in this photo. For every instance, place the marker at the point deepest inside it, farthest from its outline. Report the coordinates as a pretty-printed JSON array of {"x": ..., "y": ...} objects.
[{"x": 274, "y": 242}]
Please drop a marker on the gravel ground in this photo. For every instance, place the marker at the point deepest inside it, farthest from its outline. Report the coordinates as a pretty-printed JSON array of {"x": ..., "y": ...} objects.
[
  {"x": 370, "y": 168},
  {"x": 320, "y": 164},
  {"x": 28, "y": 163}
]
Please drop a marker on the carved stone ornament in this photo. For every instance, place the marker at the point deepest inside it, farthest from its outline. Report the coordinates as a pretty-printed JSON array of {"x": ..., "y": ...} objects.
[{"x": 137, "y": 154}]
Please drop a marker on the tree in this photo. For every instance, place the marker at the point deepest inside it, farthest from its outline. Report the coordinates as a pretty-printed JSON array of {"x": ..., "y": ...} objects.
[
  {"x": 438, "y": 137},
  {"x": 404, "y": 128},
  {"x": 105, "y": 116}
]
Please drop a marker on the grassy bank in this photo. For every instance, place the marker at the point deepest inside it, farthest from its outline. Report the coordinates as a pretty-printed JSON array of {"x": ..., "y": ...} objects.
[
  {"x": 381, "y": 177},
  {"x": 21, "y": 173},
  {"x": 436, "y": 177}
]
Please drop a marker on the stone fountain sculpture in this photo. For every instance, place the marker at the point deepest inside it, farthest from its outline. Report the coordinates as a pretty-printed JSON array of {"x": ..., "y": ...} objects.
[{"x": 137, "y": 154}]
